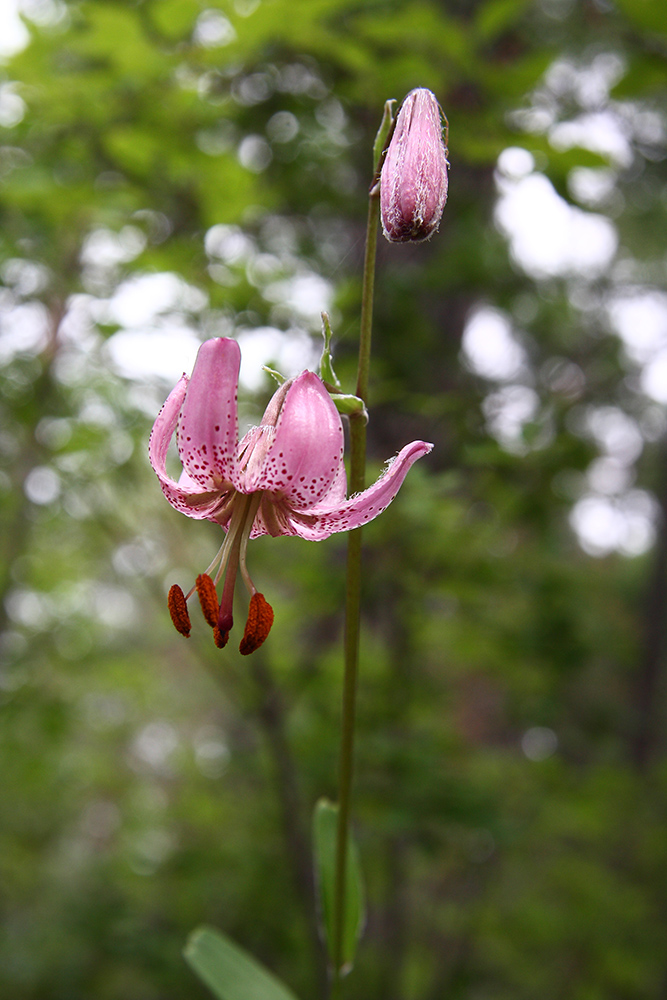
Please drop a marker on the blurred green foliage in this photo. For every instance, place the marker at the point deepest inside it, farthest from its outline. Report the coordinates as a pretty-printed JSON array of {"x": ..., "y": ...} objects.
[{"x": 511, "y": 791}]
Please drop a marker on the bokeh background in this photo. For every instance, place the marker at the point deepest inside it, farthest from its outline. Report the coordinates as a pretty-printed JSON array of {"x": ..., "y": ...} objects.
[{"x": 172, "y": 170}]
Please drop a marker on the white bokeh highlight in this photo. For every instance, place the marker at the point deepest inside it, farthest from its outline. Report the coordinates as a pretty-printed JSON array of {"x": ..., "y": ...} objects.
[
  {"x": 489, "y": 346},
  {"x": 547, "y": 237}
]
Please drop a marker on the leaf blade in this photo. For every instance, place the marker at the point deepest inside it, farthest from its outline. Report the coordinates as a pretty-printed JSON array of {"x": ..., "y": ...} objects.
[
  {"x": 325, "y": 826},
  {"x": 229, "y": 971}
]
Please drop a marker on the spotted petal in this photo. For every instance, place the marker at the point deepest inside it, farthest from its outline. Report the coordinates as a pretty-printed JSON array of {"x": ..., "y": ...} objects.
[
  {"x": 303, "y": 461},
  {"x": 185, "y": 495},
  {"x": 324, "y": 519},
  {"x": 161, "y": 435},
  {"x": 208, "y": 427}
]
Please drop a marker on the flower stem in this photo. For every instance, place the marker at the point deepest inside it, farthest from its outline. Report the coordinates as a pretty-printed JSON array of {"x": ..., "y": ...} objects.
[{"x": 353, "y": 594}]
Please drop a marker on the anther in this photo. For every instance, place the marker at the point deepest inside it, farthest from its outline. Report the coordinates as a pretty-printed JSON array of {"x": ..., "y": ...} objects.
[
  {"x": 220, "y": 638},
  {"x": 178, "y": 610},
  {"x": 208, "y": 599},
  {"x": 258, "y": 626}
]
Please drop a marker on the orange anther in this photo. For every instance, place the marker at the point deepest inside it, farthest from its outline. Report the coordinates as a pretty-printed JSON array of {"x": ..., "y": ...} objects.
[
  {"x": 208, "y": 599},
  {"x": 178, "y": 610},
  {"x": 258, "y": 626},
  {"x": 220, "y": 638}
]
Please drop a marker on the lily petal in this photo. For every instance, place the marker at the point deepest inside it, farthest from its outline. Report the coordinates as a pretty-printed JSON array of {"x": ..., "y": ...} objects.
[
  {"x": 272, "y": 518},
  {"x": 303, "y": 461},
  {"x": 185, "y": 495},
  {"x": 161, "y": 435},
  {"x": 337, "y": 491},
  {"x": 319, "y": 522},
  {"x": 208, "y": 428}
]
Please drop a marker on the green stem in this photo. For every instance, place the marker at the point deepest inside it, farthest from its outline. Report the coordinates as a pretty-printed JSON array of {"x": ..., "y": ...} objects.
[
  {"x": 353, "y": 597},
  {"x": 363, "y": 367}
]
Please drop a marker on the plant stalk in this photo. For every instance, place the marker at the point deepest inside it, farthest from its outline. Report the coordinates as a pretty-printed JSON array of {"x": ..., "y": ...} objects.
[{"x": 353, "y": 594}]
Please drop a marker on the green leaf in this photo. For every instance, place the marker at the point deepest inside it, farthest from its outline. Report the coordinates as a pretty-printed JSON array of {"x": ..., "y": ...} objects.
[
  {"x": 325, "y": 831},
  {"x": 496, "y": 16},
  {"x": 274, "y": 374},
  {"x": 174, "y": 18},
  {"x": 647, "y": 15},
  {"x": 347, "y": 404},
  {"x": 229, "y": 971},
  {"x": 383, "y": 134},
  {"x": 326, "y": 366}
]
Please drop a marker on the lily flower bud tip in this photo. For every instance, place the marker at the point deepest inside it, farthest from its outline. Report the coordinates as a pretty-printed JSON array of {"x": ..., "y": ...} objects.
[{"x": 413, "y": 179}]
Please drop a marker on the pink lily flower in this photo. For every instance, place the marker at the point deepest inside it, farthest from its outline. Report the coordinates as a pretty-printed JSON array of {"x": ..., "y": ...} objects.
[{"x": 285, "y": 477}]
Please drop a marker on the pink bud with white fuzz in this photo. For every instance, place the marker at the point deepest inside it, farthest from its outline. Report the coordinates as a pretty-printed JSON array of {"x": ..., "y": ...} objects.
[{"x": 413, "y": 179}]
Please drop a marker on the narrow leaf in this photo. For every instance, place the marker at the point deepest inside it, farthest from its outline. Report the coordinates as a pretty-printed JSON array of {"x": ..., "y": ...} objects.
[
  {"x": 347, "y": 404},
  {"x": 274, "y": 374},
  {"x": 228, "y": 971},
  {"x": 383, "y": 134},
  {"x": 326, "y": 366},
  {"x": 325, "y": 829}
]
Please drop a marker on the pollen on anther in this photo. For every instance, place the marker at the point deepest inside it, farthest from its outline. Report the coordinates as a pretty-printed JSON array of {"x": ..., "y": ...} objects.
[
  {"x": 208, "y": 599},
  {"x": 220, "y": 638},
  {"x": 258, "y": 626},
  {"x": 178, "y": 610}
]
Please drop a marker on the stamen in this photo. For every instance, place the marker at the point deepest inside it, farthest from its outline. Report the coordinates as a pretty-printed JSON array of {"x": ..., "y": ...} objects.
[
  {"x": 178, "y": 610},
  {"x": 258, "y": 626},
  {"x": 216, "y": 557},
  {"x": 230, "y": 562},
  {"x": 245, "y": 535},
  {"x": 226, "y": 547},
  {"x": 207, "y": 572},
  {"x": 208, "y": 599}
]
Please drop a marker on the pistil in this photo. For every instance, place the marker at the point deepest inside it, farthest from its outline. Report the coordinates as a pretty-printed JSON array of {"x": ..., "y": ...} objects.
[{"x": 230, "y": 561}]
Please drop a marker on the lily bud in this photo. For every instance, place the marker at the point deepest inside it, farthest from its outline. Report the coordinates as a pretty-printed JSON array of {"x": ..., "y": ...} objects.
[{"x": 413, "y": 179}]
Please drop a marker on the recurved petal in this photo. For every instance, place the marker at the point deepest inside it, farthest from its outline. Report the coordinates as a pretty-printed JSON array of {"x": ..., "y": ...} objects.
[
  {"x": 185, "y": 495},
  {"x": 161, "y": 435},
  {"x": 303, "y": 461},
  {"x": 321, "y": 522},
  {"x": 337, "y": 490},
  {"x": 208, "y": 428}
]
